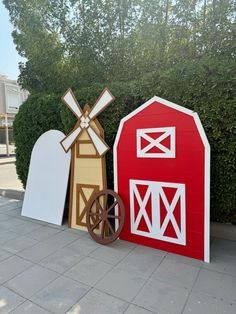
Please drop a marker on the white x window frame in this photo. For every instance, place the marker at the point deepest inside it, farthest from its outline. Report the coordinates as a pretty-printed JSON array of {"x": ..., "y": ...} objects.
[{"x": 165, "y": 151}]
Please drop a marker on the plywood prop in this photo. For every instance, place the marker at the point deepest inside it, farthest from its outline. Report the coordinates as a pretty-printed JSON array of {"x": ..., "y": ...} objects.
[
  {"x": 105, "y": 201},
  {"x": 88, "y": 166},
  {"x": 162, "y": 173},
  {"x": 47, "y": 179}
]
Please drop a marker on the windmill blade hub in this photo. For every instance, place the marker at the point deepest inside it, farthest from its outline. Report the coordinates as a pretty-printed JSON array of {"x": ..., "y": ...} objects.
[{"x": 84, "y": 122}]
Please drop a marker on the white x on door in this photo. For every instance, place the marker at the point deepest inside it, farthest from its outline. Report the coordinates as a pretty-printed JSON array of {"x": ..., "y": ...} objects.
[{"x": 155, "y": 194}]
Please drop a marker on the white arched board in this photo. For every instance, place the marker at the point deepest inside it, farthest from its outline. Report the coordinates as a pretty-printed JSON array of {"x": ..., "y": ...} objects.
[{"x": 47, "y": 179}]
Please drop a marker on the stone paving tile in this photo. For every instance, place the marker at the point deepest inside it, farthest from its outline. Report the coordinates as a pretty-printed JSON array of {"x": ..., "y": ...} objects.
[
  {"x": 223, "y": 263},
  {"x": 216, "y": 284},
  {"x": 11, "y": 267},
  {"x": 134, "y": 309},
  {"x": 61, "y": 239},
  {"x": 12, "y": 205},
  {"x": 162, "y": 298},
  {"x": 7, "y": 201},
  {"x": 180, "y": 274},
  {"x": 142, "y": 260},
  {"x": 18, "y": 244},
  {"x": 99, "y": 302},
  {"x": 47, "y": 247},
  {"x": 4, "y": 254},
  {"x": 184, "y": 259},
  {"x": 42, "y": 233},
  {"x": 122, "y": 284},
  {"x": 15, "y": 212},
  {"x": 9, "y": 300},
  {"x": 25, "y": 228},
  {"x": 148, "y": 250},
  {"x": 4, "y": 200},
  {"x": 38, "y": 252},
  {"x": 24, "y": 218},
  {"x": 84, "y": 245},
  {"x": 88, "y": 271},
  {"x": 59, "y": 227},
  {"x": 7, "y": 236},
  {"x": 11, "y": 223},
  {"x": 200, "y": 303},
  {"x": 76, "y": 231},
  {"x": 31, "y": 281},
  {"x": 59, "y": 296},
  {"x": 62, "y": 260},
  {"x": 4, "y": 217},
  {"x": 29, "y": 308},
  {"x": 114, "y": 252}
]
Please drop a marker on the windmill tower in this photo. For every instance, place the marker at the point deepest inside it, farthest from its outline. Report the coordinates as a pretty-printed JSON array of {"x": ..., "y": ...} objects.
[{"x": 88, "y": 165}]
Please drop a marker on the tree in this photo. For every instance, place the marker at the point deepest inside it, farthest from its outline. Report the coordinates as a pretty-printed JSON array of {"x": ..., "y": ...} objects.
[
  {"x": 78, "y": 42},
  {"x": 182, "y": 50}
]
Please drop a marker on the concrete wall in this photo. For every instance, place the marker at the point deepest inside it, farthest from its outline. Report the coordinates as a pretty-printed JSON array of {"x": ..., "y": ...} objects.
[
  {"x": 2, "y": 98},
  {"x": 3, "y": 136},
  {"x": 11, "y": 96}
]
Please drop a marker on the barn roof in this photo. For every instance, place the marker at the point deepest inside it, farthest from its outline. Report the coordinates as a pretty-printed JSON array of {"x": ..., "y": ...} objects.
[{"x": 168, "y": 104}]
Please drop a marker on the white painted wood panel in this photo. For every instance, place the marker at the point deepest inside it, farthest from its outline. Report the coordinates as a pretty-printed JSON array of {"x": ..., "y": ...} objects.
[{"x": 47, "y": 179}]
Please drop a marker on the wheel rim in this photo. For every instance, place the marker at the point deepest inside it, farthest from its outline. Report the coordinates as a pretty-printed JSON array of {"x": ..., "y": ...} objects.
[{"x": 105, "y": 216}]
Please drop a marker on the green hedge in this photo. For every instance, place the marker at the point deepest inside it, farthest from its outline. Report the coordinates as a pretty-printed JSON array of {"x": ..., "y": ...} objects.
[
  {"x": 38, "y": 114},
  {"x": 209, "y": 88},
  {"x": 206, "y": 86}
]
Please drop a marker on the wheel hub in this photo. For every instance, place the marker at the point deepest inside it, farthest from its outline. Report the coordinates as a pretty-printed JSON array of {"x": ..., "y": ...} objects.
[{"x": 104, "y": 215}]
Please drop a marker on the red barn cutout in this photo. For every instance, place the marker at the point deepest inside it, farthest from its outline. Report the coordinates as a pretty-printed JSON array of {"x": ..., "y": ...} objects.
[{"x": 162, "y": 173}]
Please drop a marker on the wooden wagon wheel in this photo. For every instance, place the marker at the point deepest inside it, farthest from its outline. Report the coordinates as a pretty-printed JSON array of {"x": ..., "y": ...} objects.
[{"x": 104, "y": 225}]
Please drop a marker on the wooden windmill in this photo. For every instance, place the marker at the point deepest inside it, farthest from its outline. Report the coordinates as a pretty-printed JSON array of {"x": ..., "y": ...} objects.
[{"x": 88, "y": 167}]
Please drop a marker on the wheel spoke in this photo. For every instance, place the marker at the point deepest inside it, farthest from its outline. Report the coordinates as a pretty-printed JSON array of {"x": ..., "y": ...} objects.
[
  {"x": 105, "y": 200},
  {"x": 99, "y": 205},
  {"x": 94, "y": 219},
  {"x": 112, "y": 206},
  {"x": 96, "y": 224},
  {"x": 110, "y": 227},
  {"x": 103, "y": 229},
  {"x": 94, "y": 214}
]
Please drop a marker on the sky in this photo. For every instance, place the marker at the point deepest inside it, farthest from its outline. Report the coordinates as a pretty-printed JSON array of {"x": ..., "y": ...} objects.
[{"x": 9, "y": 57}]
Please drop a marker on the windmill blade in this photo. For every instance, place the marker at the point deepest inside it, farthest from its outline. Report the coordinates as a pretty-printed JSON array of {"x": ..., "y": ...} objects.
[
  {"x": 71, "y": 102},
  {"x": 69, "y": 140},
  {"x": 98, "y": 142},
  {"x": 103, "y": 101}
]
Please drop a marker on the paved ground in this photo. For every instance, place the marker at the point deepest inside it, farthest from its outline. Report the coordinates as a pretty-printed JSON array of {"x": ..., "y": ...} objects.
[
  {"x": 7, "y": 159},
  {"x": 49, "y": 269}
]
